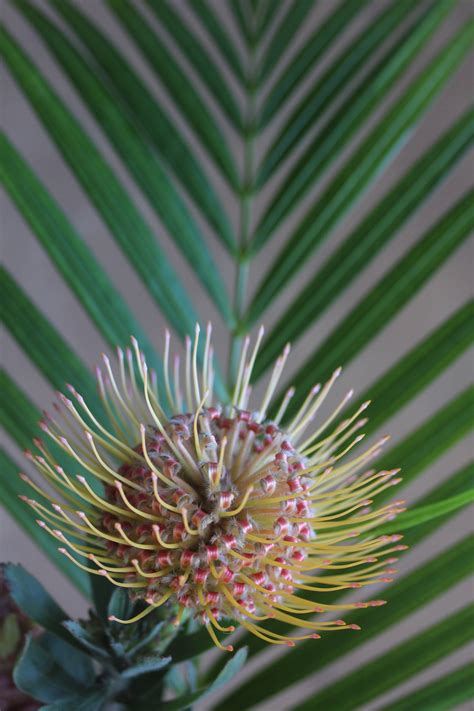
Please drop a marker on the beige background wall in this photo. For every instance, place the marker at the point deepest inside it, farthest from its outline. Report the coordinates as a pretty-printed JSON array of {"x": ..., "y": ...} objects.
[{"x": 442, "y": 296}]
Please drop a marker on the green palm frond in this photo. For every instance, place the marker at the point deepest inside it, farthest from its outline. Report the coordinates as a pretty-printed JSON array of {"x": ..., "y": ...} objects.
[{"x": 269, "y": 144}]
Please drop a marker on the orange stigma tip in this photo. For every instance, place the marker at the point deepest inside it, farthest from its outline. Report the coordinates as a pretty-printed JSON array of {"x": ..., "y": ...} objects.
[
  {"x": 41, "y": 524},
  {"x": 111, "y": 618},
  {"x": 62, "y": 550},
  {"x": 355, "y": 627},
  {"x": 229, "y": 648},
  {"x": 290, "y": 643},
  {"x": 315, "y": 636}
]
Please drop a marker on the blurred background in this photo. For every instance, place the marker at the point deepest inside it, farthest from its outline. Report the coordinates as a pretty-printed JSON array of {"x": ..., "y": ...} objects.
[{"x": 442, "y": 296}]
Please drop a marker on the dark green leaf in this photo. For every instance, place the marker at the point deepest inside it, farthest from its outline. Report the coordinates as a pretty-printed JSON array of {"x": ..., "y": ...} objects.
[
  {"x": 69, "y": 253},
  {"x": 423, "y": 514},
  {"x": 404, "y": 597},
  {"x": 11, "y": 487},
  {"x": 287, "y": 28},
  {"x": 219, "y": 35},
  {"x": 198, "y": 56},
  {"x": 49, "y": 669},
  {"x": 441, "y": 694},
  {"x": 142, "y": 163},
  {"x": 80, "y": 634},
  {"x": 110, "y": 198},
  {"x": 388, "y": 296},
  {"x": 179, "y": 86},
  {"x": 150, "y": 117},
  {"x": 364, "y": 165},
  {"x": 368, "y": 238},
  {"x": 35, "y": 601},
  {"x": 396, "y": 666},
  {"x": 326, "y": 88},
  {"x": 313, "y": 49},
  {"x": 265, "y": 12},
  {"x": 243, "y": 18}
]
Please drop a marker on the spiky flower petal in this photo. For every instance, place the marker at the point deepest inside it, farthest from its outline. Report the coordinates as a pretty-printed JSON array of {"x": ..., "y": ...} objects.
[{"x": 217, "y": 508}]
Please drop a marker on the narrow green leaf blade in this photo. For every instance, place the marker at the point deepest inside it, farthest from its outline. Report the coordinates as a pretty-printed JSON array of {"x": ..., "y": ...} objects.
[
  {"x": 198, "y": 56},
  {"x": 150, "y": 117},
  {"x": 42, "y": 343},
  {"x": 179, "y": 86},
  {"x": 219, "y": 36},
  {"x": 423, "y": 514},
  {"x": 397, "y": 665},
  {"x": 366, "y": 162},
  {"x": 11, "y": 488},
  {"x": 142, "y": 163},
  {"x": 284, "y": 34},
  {"x": 444, "y": 694},
  {"x": 404, "y": 597},
  {"x": 313, "y": 49},
  {"x": 368, "y": 238},
  {"x": 359, "y": 106},
  {"x": 111, "y": 200},
  {"x": 326, "y": 89},
  {"x": 69, "y": 253},
  {"x": 388, "y": 296},
  {"x": 420, "y": 366}
]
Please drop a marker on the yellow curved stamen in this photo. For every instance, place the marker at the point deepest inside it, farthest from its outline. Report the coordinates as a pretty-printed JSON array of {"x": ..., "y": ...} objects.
[
  {"x": 156, "y": 532},
  {"x": 134, "y": 544},
  {"x": 225, "y": 514}
]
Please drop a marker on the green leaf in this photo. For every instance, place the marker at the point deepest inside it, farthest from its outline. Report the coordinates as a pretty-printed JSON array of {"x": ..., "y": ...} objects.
[
  {"x": 265, "y": 11},
  {"x": 146, "y": 666},
  {"x": 135, "y": 152},
  {"x": 32, "y": 599},
  {"x": 49, "y": 669},
  {"x": 179, "y": 86},
  {"x": 80, "y": 634},
  {"x": 242, "y": 16},
  {"x": 397, "y": 665},
  {"x": 287, "y": 28},
  {"x": 219, "y": 35},
  {"x": 404, "y": 597},
  {"x": 231, "y": 668},
  {"x": 150, "y": 117},
  {"x": 11, "y": 488},
  {"x": 441, "y": 694},
  {"x": 364, "y": 165},
  {"x": 307, "y": 57},
  {"x": 199, "y": 58},
  {"x": 69, "y": 253},
  {"x": 326, "y": 88},
  {"x": 369, "y": 237},
  {"x": 423, "y": 514},
  {"x": 387, "y": 297},
  {"x": 110, "y": 198},
  {"x": 413, "y": 455}
]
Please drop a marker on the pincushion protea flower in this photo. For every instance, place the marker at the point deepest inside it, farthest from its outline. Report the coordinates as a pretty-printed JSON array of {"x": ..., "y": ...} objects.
[{"x": 217, "y": 508}]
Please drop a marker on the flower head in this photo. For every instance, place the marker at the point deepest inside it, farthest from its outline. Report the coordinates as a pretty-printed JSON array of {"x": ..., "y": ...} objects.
[{"x": 216, "y": 508}]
